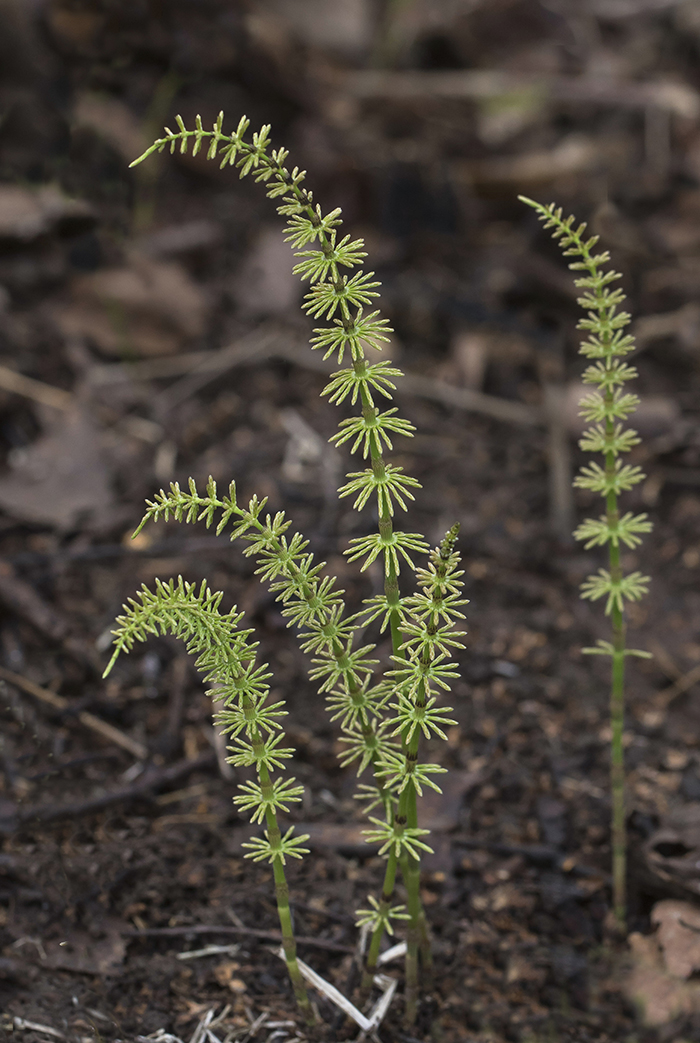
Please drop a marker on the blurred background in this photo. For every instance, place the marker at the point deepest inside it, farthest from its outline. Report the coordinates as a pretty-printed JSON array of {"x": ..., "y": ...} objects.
[{"x": 150, "y": 330}]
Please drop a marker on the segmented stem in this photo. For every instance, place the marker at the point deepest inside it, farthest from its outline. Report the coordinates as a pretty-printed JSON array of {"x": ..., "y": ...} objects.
[
  {"x": 606, "y": 408},
  {"x": 227, "y": 659},
  {"x": 284, "y": 913},
  {"x": 309, "y": 602}
]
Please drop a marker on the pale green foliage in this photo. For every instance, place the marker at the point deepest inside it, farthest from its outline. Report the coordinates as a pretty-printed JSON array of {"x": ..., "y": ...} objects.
[
  {"x": 381, "y": 717},
  {"x": 226, "y": 657},
  {"x": 607, "y": 344},
  {"x": 376, "y": 916},
  {"x": 400, "y": 838},
  {"x": 388, "y": 484},
  {"x": 372, "y": 431},
  {"x": 254, "y": 798},
  {"x": 397, "y": 770},
  {"x": 631, "y": 587},
  {"x": 262, "y": 849},
  {"x": 604, "y": 409}
]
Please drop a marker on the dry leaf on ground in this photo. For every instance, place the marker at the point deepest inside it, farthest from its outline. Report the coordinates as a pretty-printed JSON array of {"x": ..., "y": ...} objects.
[
  {"x": 325, "y": 23},
  {"x": 62, "y": 479},
  {"x": 265, "y": 284},
  {"x": 659, "y": 996},
  {"x": 26, "y": 213},
  {"x": 147, "y": 308},
  {"x": 113, "y": 121},
  {"x": 678, "y": 935},
  {"x": 441, "y": 811}
]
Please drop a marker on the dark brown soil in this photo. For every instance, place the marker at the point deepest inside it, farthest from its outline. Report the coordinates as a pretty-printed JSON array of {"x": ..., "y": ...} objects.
[{"x": 97, "y": 847}]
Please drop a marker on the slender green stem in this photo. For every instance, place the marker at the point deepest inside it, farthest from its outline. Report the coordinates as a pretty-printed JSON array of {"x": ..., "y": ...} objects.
[
  {"x": 419, "y": 647},
  {"x": 411, "y": 870},
  {"x": 617, "y": 714},
  {"x": 227, "y": 659},
  {"x": 605, "y": 346},
  {"x": 415, "y": 912},
  {"x": 411, "y": 873},
  {"x": 410, "y": 865},
  {"x": 617, "y": 772},
  {"x": 289, "y": 945},
  {"x": 378, "y": 932}
]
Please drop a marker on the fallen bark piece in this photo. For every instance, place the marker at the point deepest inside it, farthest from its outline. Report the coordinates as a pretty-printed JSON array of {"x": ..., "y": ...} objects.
[
  {"x": 480, "y": 84},
  {"x": 81, "y": 953},
  {"x": 672, "y": 852}
]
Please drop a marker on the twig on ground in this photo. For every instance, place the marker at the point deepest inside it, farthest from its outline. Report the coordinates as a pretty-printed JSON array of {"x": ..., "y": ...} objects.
[
  {"x": 21, "y": 598},
  {"x": 273, "y": 341},
  {"x": 252, "y": 932},
  {"x": 151, "y": 780},
  {"x": 95, "y": 724},
  {"x": 168, "y": 742},
  {"x": 538, "y": 854},
  {"x": 36, "y": 390},
  {"x": 479, "y": 84},
  {"x": 258, "y": 344},
  {"x": 34, "y": 1026},
  {"x": 105, "y": 551},
  {"x": 437, "y": 390},
  {"x": 57, "y": 398},
  {"x": 108, "y": 373},
  {"x": 665, "y": 660},
  {"x": 663, "y": 698}
]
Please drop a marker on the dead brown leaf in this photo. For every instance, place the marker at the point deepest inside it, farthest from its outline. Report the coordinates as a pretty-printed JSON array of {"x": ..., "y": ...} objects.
[
  {"x": 659, "y": 996},
  {"x": 324, "y": 23},
  {"x": 61, "y": 478},
  {"x": 672, "y": 852},
  {"x": 145, "y": 308},
  {"x": 225, "y": 974},
  {"x": 27, "y": 213},
  {"x": 265, "y": 284},
  {"x": 521, "y": 968},
  {"x": 74, "y": 27},
  {"x": 573, "y": 155},
  {"x": 112, "y": 121},
  {"x": 678, "y": 935},
  {"x": 441, "y": 811}
]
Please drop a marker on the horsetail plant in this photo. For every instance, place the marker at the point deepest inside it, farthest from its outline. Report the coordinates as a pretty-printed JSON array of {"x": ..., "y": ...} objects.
[
  {"x": 226, "y": 656},
  {"x": 606, "y": 409},
  {"x": 382, "y": 715}
]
